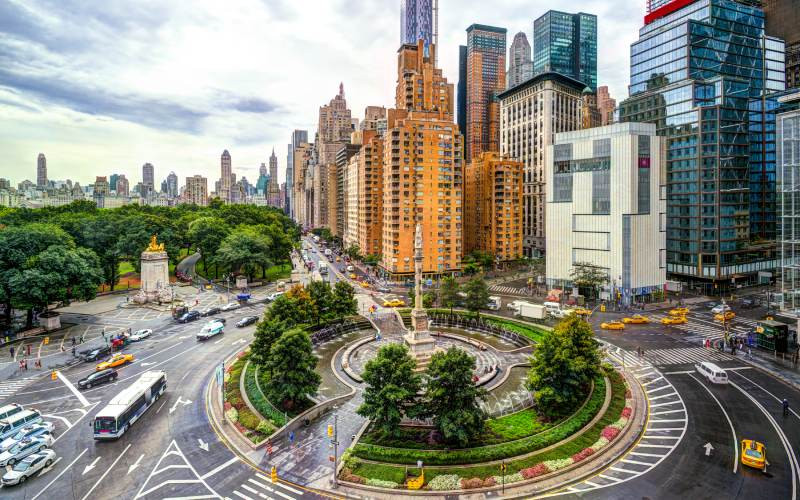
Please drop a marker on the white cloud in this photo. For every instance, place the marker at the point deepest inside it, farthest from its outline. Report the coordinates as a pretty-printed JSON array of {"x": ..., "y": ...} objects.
[{"x": 104, "y": 89}]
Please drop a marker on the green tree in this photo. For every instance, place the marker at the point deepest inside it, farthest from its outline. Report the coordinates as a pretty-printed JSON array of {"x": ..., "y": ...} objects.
[
  {"x": 428, "y": 299},
  {"x": 354, "y": 252},
  {"x": 268, "y": 331},
  {"x": 206, "y": 234},
  {"x": 344, "y": 301},
  {"x": 321, "y": 301},
  {"x": 101, "y": 234},
  {"x": 291, "y": 365},
  {"x": 472, "y": 268},
  {"x": 448, "y": 293},
  {"x": 452, "y": 398},
  {"x": 392, "y": 387},
  {"x": 565, "y": 364},
  {"x": 477, "y": 295},
  {"x": 588, "y": 276},
  {"x": 244, "y": 250}
]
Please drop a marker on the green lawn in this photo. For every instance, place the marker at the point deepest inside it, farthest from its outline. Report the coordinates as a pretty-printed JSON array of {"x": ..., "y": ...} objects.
[{"x": 125, "y": 267}]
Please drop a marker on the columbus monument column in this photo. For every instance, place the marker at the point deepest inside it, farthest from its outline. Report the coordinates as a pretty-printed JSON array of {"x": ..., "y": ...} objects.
[{"x": 419, "y": 340}]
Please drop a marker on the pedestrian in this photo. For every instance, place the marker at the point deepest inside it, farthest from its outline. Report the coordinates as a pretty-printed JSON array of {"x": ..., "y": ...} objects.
[
  {"x": 73, "y": 351},
  {"x": 73, "y": 341},
  {"x": 62, "y": 348},
  {"x": 749, "y": 354},
  {"x": 12, "y": 350},
  {"x": 785, "y": 407}
]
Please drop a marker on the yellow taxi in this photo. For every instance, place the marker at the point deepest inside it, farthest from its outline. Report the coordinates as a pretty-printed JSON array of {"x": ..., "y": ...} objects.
[
  {"x": 613, "y": 325},
  {"x": 114, "y": 361},
  {"x": 352, "y": 276},
  {"x": 754, "y": 454},
  {"x": 726, "y": 316},
  {"x": 393, "y": 303},
  {"x": 582, "y": 312},
  {"x": 636, "y": 319},
  {"x": 673, "y": 320},
  {"x": 365, "y": 284},
  {"x": 679, "y": 311}
]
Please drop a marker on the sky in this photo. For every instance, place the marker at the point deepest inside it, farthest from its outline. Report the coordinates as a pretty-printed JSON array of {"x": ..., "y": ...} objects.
[{"x": 104, "y": 87}]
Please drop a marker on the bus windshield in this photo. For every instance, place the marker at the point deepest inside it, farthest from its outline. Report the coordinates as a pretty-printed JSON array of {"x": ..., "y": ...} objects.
[{"x": 105, "y": 424}]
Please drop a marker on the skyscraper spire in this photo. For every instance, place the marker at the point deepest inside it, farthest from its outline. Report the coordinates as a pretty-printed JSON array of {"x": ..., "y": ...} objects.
[{"x": 341, "y": 90}]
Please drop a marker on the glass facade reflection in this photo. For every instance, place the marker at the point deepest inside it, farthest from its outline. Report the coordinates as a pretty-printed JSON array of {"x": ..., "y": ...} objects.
[
  {"x": 567, "y": 44},
  {"x": 704, "y": 75},
  {"x": 788, "y": 186}
]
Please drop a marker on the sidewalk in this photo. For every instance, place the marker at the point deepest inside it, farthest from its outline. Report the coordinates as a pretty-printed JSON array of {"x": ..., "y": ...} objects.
[{"x": 775, "y": 366}]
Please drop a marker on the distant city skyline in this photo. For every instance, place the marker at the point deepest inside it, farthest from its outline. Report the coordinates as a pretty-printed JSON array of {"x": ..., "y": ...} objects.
[{"x": 135, "y": 107}]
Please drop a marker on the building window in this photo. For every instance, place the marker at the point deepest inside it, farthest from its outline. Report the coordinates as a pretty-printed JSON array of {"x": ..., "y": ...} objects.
[
  {"x": 601, "y": 192},
  {"x": 601, "y": 147},
  {"x": 562, "y": 188}
]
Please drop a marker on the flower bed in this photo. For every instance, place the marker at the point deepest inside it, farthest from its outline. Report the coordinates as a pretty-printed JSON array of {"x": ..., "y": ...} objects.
[
  {"x": 236, "y": 411},
  {"x": 492, "y": 452},
  {"x": 592, "y": 441},
  {"x": 272, "y": 416}
]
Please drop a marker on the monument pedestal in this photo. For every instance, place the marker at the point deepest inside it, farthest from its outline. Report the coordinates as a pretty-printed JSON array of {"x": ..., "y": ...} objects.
[
  {"x": 154, "y": 276},
  {"x": 419, "y": 340}
]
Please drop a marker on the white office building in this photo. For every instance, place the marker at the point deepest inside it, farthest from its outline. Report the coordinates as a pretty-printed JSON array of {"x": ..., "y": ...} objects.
[{"x": 605, "y": 208}]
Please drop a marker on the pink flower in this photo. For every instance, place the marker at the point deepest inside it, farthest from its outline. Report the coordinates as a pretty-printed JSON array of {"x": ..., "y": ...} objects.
[
  {"x": 610, "y": 433},
  {"x": 626, "y": 412},
  {"x": 535, "y": 471},
  {"x": 582, "y": 454}
]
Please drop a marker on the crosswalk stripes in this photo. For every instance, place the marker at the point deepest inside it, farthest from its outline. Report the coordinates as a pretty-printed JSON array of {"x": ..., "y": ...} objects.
[
  {"x": 260, "y": 486},
  {"x": 684, "y": 355},
  {"x": 509, "y": 290},
  {"x": 702, "y": 329},
  {"x": 10, "y": 387}
]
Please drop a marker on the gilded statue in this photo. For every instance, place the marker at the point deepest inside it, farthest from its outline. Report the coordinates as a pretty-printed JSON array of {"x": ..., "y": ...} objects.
[{"x": 154, "y": 245}]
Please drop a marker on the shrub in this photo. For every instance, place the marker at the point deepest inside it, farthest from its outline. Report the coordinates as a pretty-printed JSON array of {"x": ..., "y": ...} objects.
[
  {"x": 227, "y": 406},
  {"x": 248, "y": 419},
  {"x": 352, "y": 478},
  {"x": 535, "y": 471},
  {"x": 232, "y": 415},
  {"x": 265, "y": 427},
  {"x": 446, "y": 482},
  {"x": 380, "y": 483},
  {"x": 511, "y": 478},
  {"x": 583, "y": 454},
  {"x": 610, "y": 433},
  {"x": 489, "y": 482},
  {"x": 471, "y": 484},
  {"x": 258, "y": 400}
]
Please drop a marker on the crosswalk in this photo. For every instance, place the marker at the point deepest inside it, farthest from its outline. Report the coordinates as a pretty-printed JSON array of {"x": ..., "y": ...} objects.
[
  {"x": 10, "y": 387},
  {"x": 260, "y": 486},
  {"x": 684, "y": 355},
  {"x": 700, "y": 329},
  {"x": 509, "y": 290}
]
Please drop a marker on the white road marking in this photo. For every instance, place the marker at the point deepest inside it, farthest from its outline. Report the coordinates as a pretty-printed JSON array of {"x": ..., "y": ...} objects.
[
  {"x": 114, "y": 463},
  {"x": 60, "y": 474},
  {"x": 180, "y": 401},
  {"x": 733, "y": 431},
  {"x": 219, "y": 468},
  {"x": 784, "y": 440},
  {"x": 162, "y": 405},
  {"x": 173, "y": 449},
  {"x": 253, "y": 491},
  {"x": 773, "y": 396},
  {"x": 282, "y": 485},
  {"x": 245, "y": 497},
  {"x": 90, "y": 466},
  {"x": 73, "y": 389},
  {"x": 133, "y": 466}
]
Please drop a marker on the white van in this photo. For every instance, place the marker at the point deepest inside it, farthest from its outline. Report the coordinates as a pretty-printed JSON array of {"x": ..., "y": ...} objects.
[
  {"x": 712, "y": 372},
  {"x": 493, "y": 304},
  {"x": 10, "y": 409},
  {"x": 9, "y": 426},
  {"x": 554, "y": 309}
]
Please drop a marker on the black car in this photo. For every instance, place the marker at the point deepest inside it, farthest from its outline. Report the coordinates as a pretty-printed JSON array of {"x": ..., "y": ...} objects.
[
  {"x": 95, "y": 354},
  {"x": 189, "y": 316},
  {"x": 246, "y": 321},
  {"x": 97, "y": 378},
  {"x": 211, "y": 311}
]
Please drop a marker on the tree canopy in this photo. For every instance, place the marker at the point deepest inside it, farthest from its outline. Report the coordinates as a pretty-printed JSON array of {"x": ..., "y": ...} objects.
[
  {"x": 392, "y": 387},
  {"x": 291, "y": 365},
  {"x": 477, "y": 294},
  {"x": 448, "y": 293}
]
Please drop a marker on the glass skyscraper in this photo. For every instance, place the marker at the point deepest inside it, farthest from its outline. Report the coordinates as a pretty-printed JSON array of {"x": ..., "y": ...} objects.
[
  {"x": 788, "y": 186},
  {"x": 704, "y": 74},
  {"x": 416, "y": 22},
  {"x": 567, "y": 44}
]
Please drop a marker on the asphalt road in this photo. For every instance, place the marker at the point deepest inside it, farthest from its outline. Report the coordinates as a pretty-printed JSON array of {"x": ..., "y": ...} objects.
[{"x": 170, "y": 451}]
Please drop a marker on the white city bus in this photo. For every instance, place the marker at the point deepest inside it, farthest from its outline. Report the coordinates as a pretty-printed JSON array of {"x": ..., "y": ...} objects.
[{"x": 126, "y": 408}]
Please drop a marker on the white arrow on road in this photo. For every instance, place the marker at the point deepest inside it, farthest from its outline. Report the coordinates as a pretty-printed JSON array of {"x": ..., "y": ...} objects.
[
  {"x": 240, "y": 341},
  {"x": 145, "y": 365},
  {"x": 50, "y": 467},
  {"x": 90, "y": 466},
  {"x": 708, "y": 448},
  {"x": 135, "y": 464},
  {"x": 203, "y": 445},
  {"x": 184, "y": 337},
  {"x": 180, "y": 401}
]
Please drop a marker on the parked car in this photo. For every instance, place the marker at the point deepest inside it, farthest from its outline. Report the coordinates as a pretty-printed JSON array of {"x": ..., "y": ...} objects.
[
  {"x": 246, "y": 321},
  {"x": 30, "y": 431},
  {"x": 271, "y": 297},
  {"x": 118, "y": 359},
  {"x": 230, "y": 306},
  {"x": 24, "y": 448},
  {"x": 97, "y": 378},
  {"x": 211, "y": 311},
  {"x": 28, "y": 467},
  {"x": 95, "y": 354},
  {"x": 140, "y": 335},
  {"x": 189, "y": 316}
]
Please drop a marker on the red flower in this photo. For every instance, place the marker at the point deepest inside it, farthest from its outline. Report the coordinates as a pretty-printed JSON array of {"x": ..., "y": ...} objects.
[
  {"x": 626, "y": 412},
  {"x": 610, "y": 433},
  {"x": 582, "y": 454},
  {"x": 535, "y": 471}
]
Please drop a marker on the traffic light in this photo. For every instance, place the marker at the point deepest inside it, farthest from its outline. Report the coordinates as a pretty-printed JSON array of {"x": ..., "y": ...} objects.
[{"x": 330, "y": 431}]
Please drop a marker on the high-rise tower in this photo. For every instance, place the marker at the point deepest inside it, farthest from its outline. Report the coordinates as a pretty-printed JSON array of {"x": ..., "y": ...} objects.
[
  {"x": 225, "y": 177},
  {"x": 148, "y": 179},
  {"x": 486, "y": 78},
  {"x": 417, "y": 22},
  {"x": 567, "y": 44},
  {"x": 41, "y": 171},
  {"x": 520, "y": 65}
]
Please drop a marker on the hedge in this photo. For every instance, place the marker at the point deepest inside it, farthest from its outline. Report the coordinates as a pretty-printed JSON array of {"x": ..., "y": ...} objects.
[
  {"x": 492, "y": 452},
  {"x": 259, "y": 400}
]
